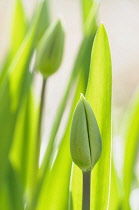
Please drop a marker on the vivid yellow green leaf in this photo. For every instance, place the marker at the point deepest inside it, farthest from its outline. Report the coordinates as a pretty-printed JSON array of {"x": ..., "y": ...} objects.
[{"x": 99, "y": 97}]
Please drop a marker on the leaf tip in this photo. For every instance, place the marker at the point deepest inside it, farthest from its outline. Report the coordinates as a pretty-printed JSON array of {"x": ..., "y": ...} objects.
[
  {"x": 102, "y": 28},
  {"x": 82, "y": 96}
]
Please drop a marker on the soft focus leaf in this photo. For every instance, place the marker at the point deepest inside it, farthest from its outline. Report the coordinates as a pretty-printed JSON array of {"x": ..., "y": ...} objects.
[
  {"x": 19, "y": 26},
  {"x": 89, "y": 8},
  {"x": 116, "y": 191},
  {"x": 86, "y": 6},
  {"x": 44, "y": 20},
  {"x": 23, "y": 149},
  {"x": 11, "y": 197},
  {"x": 15, "y": 190},
  {"x": 131, "y": 137},
  {"x": 14, "y": 85}
]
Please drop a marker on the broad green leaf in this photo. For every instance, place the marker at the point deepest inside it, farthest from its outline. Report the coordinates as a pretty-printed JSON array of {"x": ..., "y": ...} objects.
[
  {"x": 131, "y": 137},
  {"x": 19, "y": 26},
  {"x": 99, "y": 96},
  {"x": 99, "y": 81}
]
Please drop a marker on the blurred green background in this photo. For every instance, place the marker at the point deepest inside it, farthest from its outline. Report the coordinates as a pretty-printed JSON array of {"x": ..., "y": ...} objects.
[{"x": 121, "y": 19}]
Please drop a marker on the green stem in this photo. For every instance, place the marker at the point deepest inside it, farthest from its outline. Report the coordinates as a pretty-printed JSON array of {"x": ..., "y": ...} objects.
[
  {"x": 40, "y": 119},
  {"x": 86, "y": 190}
]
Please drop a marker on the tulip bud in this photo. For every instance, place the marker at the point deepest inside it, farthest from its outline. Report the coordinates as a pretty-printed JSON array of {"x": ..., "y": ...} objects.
[
  {"x": 85, "y": 139},
  {"x": 50, "y": 50}
]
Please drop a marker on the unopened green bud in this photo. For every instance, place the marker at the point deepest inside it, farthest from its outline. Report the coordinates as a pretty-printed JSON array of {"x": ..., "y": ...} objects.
[
  {"x": 85, "y": 139},
  {"x": 50, "y": 50}
]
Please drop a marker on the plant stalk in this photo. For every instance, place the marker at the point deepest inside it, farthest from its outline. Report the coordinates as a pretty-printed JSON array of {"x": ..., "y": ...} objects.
[
  {"x": 86, "y": 190},
  {"x": 40, "y": 119}
]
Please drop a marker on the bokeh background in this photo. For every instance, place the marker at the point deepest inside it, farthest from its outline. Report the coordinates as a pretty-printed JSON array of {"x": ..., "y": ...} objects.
[{"x": 121, "y": 19}]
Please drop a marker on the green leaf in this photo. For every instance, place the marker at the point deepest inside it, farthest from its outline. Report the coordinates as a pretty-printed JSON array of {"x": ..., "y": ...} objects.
[
  {"x": 15, "y": 190},
  {"x": 5, "y": 202},
  {"x": 11, "y": 194},
  {"x": 99, "y": 97},
  {"x": 19, "y": 26},
  {"x": 44, "y": 20},
  {"x": 131, "y": 137},
  {"x": 10, "y": 100},
  {"x": 86, "y": 7},
  {"x": 14, "y": 85},
  {"x": 89, "y": 8},
  {"x": 22, "y": 153}
]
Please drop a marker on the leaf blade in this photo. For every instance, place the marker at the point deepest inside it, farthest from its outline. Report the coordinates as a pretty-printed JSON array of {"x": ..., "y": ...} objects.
[{"x": 99, "y": 96}]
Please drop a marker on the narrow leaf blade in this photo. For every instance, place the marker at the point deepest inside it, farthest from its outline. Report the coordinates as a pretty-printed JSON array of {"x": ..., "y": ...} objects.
[{"x": 99, "y": 96}]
